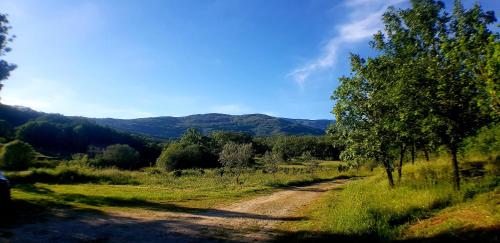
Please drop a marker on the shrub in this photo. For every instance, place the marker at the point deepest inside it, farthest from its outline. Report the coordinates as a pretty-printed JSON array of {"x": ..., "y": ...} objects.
[
  {"x": 236, "y": 157},
  {"x": 16, "y": 155},
  {"x": 271, "y": 161},
  {"x": 178, "y": 156},
  {"x": 119, "y": 155}
]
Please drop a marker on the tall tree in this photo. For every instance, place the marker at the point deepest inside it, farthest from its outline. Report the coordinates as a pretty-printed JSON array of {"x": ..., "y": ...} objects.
[
  {"x": 442, "y": 82},
  {"x": 460, "y": 91},
  {"x": 5, "y": 38},
  {"x": 365, "y": 113}
]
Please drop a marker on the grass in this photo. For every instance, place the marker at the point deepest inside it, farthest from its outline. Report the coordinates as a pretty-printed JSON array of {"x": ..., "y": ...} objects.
[
  {"x": 369, "y": 210},
  {"x": 80, "y": 187},
  {"x": 473, "y": 220}
]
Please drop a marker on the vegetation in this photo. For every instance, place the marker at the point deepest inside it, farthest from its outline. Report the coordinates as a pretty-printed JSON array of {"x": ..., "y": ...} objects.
[
  {"x": 253, "y": 124},
  {"x": 178, "y": 156},
  {"x": 235, "y": 158},
  {"x": 16, "y": 155},
  {"x": 5, "y": 38},
  {"x": 429, "y": 96},
  {"x": 428, "y": 86},
  {"x": 112, "y": 189},
  {"x": 119, "y": 155},
  {"x": 367, "y": 210}
]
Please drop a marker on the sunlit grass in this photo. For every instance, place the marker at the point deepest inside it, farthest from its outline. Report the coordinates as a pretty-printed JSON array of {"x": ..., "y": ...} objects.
[
  {"x": 105, "y": 189},
  {"x": 369, "y": 209}
]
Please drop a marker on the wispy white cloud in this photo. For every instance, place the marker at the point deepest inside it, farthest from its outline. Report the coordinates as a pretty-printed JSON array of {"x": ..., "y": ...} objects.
[{"x": 364, "y": 21}]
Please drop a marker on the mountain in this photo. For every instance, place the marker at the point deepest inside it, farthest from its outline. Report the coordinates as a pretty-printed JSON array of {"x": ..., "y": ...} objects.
[
  {"x": 167, "y": 127},
  {"x": 255, "y": 124}
]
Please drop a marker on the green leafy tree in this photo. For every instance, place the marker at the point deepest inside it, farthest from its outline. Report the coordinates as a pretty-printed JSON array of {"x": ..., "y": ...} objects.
[
  {"x": 271, "y": 161},
  {"x": 5, "y": 38},
  {"x": 120, "y": 155},
  {"x": 177, "y": 156},
  {"x": 16, "y": 155},
  {"x": 192, "y": 136},
  {"x": 461, "y": 53},
  {"x": 236, "y": 157},
  {"x": 365, "y": 113},
  {"x": 433, "y": 82}
]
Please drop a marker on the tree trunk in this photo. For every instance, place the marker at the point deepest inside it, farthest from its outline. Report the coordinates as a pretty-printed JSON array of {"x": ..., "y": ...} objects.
[
  {"x": 413, "y": 153},
  {"x": 401, "y": 157},
  {"x": 389, "y": 173},
  {"x": 426, "y": 154},
  {"x": 456, "y": 171}
]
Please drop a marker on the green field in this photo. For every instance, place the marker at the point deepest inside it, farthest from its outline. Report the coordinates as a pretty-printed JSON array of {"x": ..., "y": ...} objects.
[
  {"x": 423, "y": 205},
  {"x": 81, "y": 187}
]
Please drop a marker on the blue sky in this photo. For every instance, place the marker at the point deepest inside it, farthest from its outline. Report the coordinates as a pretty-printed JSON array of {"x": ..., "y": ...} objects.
[{"x": 128, "y": 59}]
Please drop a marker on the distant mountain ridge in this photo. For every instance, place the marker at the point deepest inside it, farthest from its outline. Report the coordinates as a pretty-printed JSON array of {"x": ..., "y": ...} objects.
[
  {"x": 168, "y": 127},
  {"x": 255, "y": 124}
]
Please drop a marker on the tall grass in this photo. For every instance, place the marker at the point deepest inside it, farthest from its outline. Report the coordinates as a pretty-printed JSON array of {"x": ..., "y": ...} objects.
[{"x": 368, "y": 208}]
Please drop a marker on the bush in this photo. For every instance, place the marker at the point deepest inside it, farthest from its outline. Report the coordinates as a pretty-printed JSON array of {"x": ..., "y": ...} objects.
[
  {"x": 16, "y": 155},
  {"x": 178, "y": 156},
  {"x": 236, "y": 157},
  {"x": 119, "y": 155}
]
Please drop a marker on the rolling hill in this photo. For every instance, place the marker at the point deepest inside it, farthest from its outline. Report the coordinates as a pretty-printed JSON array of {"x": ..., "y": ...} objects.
[
  {"x": 255, "y": 124},
  {"x": 167, "y": 127}
]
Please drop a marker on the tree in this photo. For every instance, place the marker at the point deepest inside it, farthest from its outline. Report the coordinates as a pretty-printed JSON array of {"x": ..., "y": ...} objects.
[
  {"x": 178, "y": 156},
  {"x": 16, "y": 155},
  {"x": 121, "y": 156},
  {"x": 461, "y": 88},
  {"x": 236, "y": 157},
  {"x": 433, "y": 82},
  {"x": 5, "y": 38},
  {"x": 192, "y": 136},
  {"x": 365, "y": 113},
  {"x": 6, "y": 130},
  {"x": 271, "y": 161}
]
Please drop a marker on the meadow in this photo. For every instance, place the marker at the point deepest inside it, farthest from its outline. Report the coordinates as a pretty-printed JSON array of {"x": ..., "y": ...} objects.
[
  {"x": 79, "y": 187},
  {"x": 423, "y": 206}
]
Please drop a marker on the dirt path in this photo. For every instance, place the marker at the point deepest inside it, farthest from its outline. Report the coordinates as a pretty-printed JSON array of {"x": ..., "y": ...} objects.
[{"x": 246, "y": 221}]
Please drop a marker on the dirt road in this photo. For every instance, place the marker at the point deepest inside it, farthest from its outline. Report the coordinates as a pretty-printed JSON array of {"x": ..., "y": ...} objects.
[{"x": 246, "y": 221}]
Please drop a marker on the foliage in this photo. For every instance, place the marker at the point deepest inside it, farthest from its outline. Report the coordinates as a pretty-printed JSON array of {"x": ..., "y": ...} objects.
[
  {"x": 486, "y": 142},
  {"x": 6, "y": 130},
  {"x": 236, "y": 157},
  {"x": 119, "y": 155},
  {"x": 55, "y": 134},
  {"x": 369, "y": 211},
  {"x": 178, "y": 156},
  {"x": 253, "y": 124},
  {"x": 271, "y": 161},
  {"x": 430, "y": 85},
  {"x": 290, "y": 147},
  {"x": 5, "y": 38},
  {"x": 16, "y": 155}
]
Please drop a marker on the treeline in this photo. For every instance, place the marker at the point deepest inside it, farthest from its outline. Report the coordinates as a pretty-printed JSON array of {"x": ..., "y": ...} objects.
[
  {"x": 60, "y": 136},
  {"x": 76, "y": 138},
  {"x": 434, "y": 83},
  {"x": 195, "y": 150}
]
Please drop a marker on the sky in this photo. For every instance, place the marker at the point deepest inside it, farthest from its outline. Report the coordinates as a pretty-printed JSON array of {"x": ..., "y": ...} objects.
[{"x": 130, "y": 59}]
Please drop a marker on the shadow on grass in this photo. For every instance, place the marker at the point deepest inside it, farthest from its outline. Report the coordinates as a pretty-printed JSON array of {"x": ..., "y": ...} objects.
[
  {"x": 69, "y": 176},
  {"x": 309, "y": 183},
  {"x": 461, "y": 235},
  {"x": 65, "y": 201},
  {"x": 89, "y": 227}
]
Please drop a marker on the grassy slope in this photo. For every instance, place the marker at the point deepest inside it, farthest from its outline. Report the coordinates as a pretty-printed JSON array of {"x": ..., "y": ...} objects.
[{"x": 418, "y": 208}]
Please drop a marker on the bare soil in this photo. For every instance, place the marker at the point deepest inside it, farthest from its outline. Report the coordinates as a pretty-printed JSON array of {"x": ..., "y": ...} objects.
[{"x": 246, "y": 221}]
